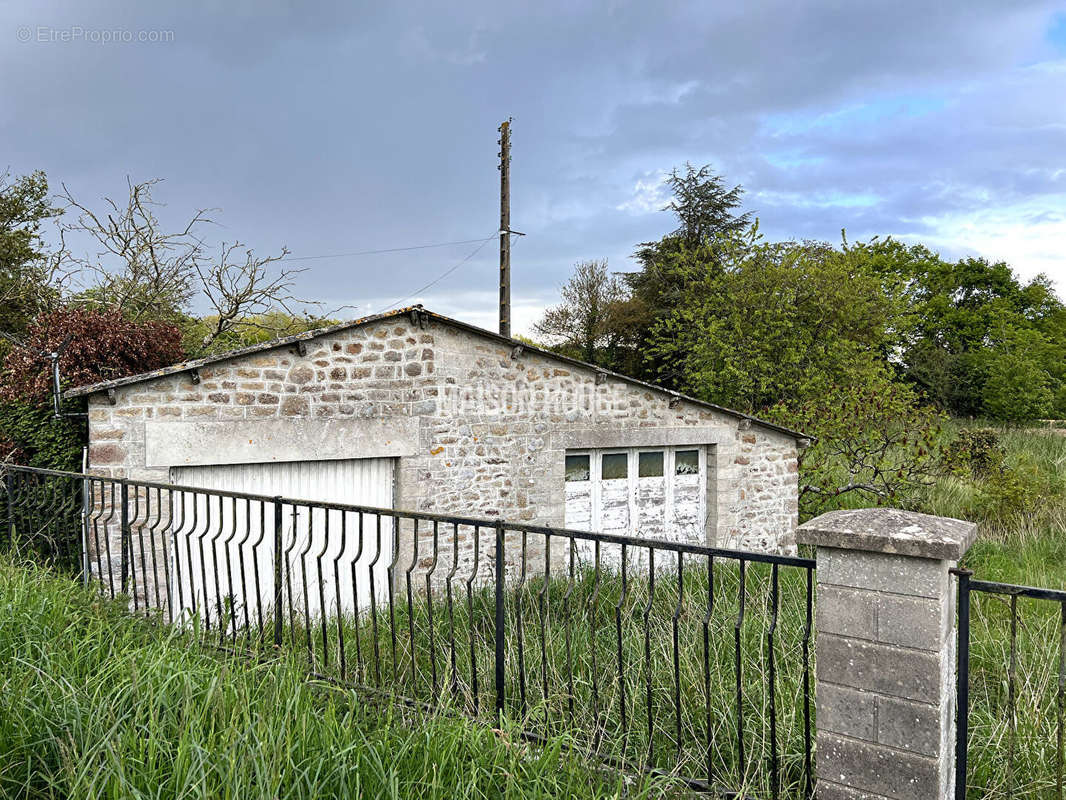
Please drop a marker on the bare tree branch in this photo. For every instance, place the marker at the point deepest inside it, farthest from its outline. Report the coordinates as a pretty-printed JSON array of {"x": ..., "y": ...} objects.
[
  {"x": 143, "y": 271},
  {"x": 239, "y": 291}
]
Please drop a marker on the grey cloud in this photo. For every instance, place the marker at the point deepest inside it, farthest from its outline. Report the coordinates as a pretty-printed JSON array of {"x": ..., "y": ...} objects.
[{"x": 331, "y": 127}]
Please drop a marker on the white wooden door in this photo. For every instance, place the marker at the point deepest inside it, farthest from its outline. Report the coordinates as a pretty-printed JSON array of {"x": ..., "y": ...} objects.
[
  {"x": 225, "y": 547},
  {"x": 655, "y": 493}
]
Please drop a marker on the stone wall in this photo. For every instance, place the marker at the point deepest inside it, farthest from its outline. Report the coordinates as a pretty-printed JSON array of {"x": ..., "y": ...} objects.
[
  {"x": 493, "y": 424},
  {"x": 503, "y": 456}
]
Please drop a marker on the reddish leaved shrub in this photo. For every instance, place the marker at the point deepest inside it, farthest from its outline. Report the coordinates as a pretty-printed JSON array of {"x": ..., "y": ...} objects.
[{"x": 103, "y": 346}]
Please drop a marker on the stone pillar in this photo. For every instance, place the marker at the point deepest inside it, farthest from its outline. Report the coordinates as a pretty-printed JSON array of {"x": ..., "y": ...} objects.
[{"x": 885, "y": 652}]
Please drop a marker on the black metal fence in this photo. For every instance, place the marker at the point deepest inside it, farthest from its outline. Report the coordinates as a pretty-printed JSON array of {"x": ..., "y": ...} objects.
[
  {"x": 1011, "y": 685},
  {"x": 651, "y": 655}
]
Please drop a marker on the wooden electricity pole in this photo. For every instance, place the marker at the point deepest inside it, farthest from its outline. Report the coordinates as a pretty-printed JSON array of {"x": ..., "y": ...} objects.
[{"x": 505, "y": 228}]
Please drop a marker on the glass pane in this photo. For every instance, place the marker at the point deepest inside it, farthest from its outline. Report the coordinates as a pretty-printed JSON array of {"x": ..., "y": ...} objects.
[
  {"x": 687, "y": 462},
  {"x": 650, "y": 465},
  {"x": 577, "y": 468},
  {"x": 614, "y": 466}
]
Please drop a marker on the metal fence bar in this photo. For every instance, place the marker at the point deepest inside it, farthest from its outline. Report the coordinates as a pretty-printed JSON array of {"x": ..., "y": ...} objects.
[
  {"x": 808, "y": 771},
  {"x": 1060, "y": 700},
  {"x": 737, "y": 665},
  {"x": 775, "y": 777},
  {"x": 9, "y": 491},
  {"x": 963, "y": 684},
  {"x": 501, "y": 621},
  {"x": 1015, "y": 665},
  {"x": 279, "y": 597}
]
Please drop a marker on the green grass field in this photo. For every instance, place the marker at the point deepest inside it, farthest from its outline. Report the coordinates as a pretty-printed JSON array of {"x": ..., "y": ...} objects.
[{"x": 608, "y": 668}]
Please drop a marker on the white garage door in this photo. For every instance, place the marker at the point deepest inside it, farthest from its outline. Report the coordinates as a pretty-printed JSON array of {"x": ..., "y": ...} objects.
[{"x": 333, "y": 549}]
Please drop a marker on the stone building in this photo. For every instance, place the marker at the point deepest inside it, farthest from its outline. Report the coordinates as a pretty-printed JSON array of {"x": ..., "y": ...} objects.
[{"x": 413, "y": 410}]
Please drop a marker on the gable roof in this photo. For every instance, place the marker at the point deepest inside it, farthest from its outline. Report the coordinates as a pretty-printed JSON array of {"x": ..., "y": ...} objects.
[{"x": 414, "y": 312}]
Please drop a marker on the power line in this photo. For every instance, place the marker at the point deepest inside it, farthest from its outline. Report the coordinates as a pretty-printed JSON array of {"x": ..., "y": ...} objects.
[
  {"x": 443, "y": 275},
  {"x": 384, "y": 250}
]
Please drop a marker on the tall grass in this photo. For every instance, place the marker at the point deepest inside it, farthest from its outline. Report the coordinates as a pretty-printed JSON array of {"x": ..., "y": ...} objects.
[
  {"x": 673, "y": 675},
  {"x": 1021, "y": 505},
  {"x": 94, "y": 703},
  {"x": 1021, "y": 513},
  {"x": 649, "y": 679}
]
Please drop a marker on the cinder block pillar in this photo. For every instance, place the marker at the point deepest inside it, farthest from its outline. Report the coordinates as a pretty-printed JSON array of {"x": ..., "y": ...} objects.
[{"x": 885, "y": 652}]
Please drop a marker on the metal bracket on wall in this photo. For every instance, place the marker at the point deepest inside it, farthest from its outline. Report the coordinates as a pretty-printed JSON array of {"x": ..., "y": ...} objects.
[
  {"x": 194, "y": 375},
  {"x": 111, "y": 396},
  {"x": 301, "y": 348},
  {"x": 517, "y": 350},
  {"x": 601, "y": 377}
]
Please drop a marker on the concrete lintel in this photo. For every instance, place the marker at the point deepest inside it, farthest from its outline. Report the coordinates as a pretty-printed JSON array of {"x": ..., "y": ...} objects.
[
  {"x": 609, "y": 436},
  {"x": 890, "y": 530},
  {"x": 187, "y": 443}
]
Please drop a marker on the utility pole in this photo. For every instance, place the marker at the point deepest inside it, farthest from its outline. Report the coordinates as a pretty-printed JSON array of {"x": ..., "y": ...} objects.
[{"x": 505, "y": 228}]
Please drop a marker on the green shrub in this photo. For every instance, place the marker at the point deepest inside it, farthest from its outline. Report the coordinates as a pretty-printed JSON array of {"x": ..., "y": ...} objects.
[
  {"x": 1010, "y": 494},
  {"x": 1018, "y": 386},
  {"x": 975, "y": 451},
  {"x": 31, "y": 435},
  {"x": 875, "y": 444}
]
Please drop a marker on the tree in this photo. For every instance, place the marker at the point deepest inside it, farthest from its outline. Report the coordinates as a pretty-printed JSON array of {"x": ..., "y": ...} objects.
[
  {"x": 707, "y": 213},
  {"x": 98, "y": 346},
  {"x": 584, "y": 324},
  {"x": 28, "y": 270},
  {"x": 703, "y": 205},
  {"x": 146, "y": 272},
  {"x": 252, "y": 329},
  {"x": 1017, "y": 386},
  {"x": 875, "y": 443},
  {"x": 963, "y": 312},
  {"x": 773, "y": 322}
]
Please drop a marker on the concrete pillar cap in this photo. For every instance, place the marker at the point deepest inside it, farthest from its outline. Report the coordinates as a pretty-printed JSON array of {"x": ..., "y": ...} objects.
[{"x": 890, "y": 530}]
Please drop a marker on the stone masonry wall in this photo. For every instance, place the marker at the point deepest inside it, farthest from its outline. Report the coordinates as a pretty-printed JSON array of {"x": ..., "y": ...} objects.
[{"x": 503, "y": 456}]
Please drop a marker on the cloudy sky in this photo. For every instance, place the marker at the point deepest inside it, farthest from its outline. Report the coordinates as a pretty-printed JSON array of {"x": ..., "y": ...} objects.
[{"x": 341, "y": 127}]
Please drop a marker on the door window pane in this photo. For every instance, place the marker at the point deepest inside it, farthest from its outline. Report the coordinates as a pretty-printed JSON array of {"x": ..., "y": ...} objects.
[
  {"x": 650, "y": 465},
  {"x": 577, "y": 468},
  {"x": 615, "y": 465},
  {"x": 687, "y": 462}
]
